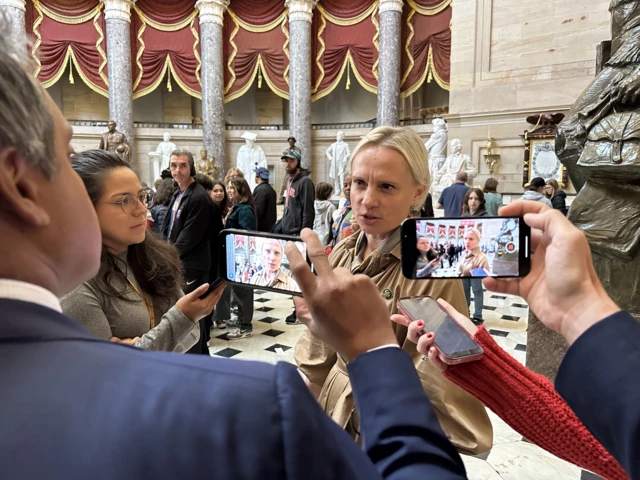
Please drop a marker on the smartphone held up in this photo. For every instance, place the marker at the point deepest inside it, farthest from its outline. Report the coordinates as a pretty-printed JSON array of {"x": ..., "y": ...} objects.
[
  {"x": 258, "y": 260},
  {"x": 465, "y": 247},
  {"x": 454, "y": 344}
]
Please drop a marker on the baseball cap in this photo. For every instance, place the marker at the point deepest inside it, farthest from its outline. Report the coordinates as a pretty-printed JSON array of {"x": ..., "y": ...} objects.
[
  {"x": 262, "y": 172},
  {"x": 291, "y": 154}
]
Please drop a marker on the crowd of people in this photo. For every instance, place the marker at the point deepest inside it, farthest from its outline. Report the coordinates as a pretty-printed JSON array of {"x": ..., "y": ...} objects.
[{"x": 88, "y": 292}]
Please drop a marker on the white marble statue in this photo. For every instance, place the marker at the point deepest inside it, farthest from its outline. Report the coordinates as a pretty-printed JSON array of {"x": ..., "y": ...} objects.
[
  {"x": 250, "y": 156},
  {"x": 162, "y": 155},
  {"x": 338, "y": 154},
  {"x": 437, "y": 145},
  {"x": 455, "y": 162}
]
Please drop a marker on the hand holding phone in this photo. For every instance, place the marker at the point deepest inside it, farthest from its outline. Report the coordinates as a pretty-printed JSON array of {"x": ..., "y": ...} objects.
[{"x": 453, "y": 332}]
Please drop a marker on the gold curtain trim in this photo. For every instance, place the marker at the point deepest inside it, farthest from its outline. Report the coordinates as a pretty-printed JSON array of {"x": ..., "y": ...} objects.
[
  {"x": 429, "y": 11},
  {"x": 232, "y": 57},
  {"x": 61, "y": 70},
  {"x": 186, "y": 88},
  {"x": 347, "y": 61},
  {"x": 155, "y": 84},
  {"x": 286, "y": 49},
  {"x": 38, "y": 42},
  {"x": 256, "y": 28},
  {"x": 272, "y": 85},
  {"x": 244, "y": 89},
  {"x": 320, "y": 37},
  {"x": 65, "y": 19},
  {"x": 407, "y": 47},
  {"x": 84, "y": 78},
  {"x": 99, "y": 48},
  {"x": 346, "y": 22},
  {"x": 169, "y": 27},
  {"x": 141, "y": 30},
  {"x": 368, "y": 87},
  {"x": 376, "y": 43},
  {"x": 430, "y": 73},
  {"x": 195, "y": 51}
]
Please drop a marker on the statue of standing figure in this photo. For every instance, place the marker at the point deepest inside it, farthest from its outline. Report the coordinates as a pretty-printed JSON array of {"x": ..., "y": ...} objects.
[
  {"x": 437, "y": 145},
  {"x": 162, "y": 155},
  {"x": 454, "y": 163},
  {"x": 338, "y": 154},
  {"x": 250, "y": 157},
  {"x": 599, "y": 144},
  {"x": 115, "y": 141}
]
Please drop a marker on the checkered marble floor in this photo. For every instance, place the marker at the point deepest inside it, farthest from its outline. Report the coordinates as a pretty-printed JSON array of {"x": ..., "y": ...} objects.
[{"x": 511, "y": 458}]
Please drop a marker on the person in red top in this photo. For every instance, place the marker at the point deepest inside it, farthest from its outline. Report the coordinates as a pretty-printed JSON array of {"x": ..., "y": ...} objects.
[{"x": 525, "y": 400}]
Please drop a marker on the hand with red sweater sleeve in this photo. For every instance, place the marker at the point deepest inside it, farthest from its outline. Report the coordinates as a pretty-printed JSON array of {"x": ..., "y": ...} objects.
[{"x": 526, "y": 401}]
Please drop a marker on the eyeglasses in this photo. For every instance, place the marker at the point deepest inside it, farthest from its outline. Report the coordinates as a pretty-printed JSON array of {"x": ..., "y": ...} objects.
[{"x": 129, "y": 202}]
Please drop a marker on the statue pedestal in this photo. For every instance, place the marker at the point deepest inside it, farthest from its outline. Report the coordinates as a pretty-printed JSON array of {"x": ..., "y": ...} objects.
[{"x": 545, "y": 348}]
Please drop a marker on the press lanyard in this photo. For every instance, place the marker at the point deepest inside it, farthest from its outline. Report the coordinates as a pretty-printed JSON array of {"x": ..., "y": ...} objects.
[{"x": 147, "y": 301}]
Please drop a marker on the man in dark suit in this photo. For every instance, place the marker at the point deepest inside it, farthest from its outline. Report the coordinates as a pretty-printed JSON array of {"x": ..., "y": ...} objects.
[
  {"x": 188, "y": 226},
  {"x": 264, "y": 197}
]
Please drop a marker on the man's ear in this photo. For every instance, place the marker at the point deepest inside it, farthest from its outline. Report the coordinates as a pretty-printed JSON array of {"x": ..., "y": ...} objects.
[{"x": 19, "y": 188}]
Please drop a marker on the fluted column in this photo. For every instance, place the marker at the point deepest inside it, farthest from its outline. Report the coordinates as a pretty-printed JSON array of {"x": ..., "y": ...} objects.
[
  {"x": 213, "y": 125},
  {"x": 300, "y": 16},
  {"x": 117, "y": 14},
  {"x": 14, "y": 10},
  {"x": 389, "y": 62}
]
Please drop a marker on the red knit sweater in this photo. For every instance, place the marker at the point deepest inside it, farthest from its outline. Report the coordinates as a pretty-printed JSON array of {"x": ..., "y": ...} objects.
[{"x": 529, "y": 404}]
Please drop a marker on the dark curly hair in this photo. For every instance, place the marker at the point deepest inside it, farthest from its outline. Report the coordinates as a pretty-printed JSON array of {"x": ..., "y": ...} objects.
[{"x": 154, "y": 263}]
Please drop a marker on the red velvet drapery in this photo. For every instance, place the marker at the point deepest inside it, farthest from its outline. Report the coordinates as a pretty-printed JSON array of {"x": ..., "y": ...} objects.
[
  {"x": 166, "y": 38},
  {"x": 67, "y": 32},
  {"x": 256, "y": 47}
]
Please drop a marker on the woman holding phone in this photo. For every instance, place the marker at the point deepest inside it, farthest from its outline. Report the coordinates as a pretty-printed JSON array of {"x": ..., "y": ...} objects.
[
  {"x": 506, "y": 387},
  {"x": 241, "y": 217},
  {"x": 390, "y": 180},
  {"x": 136, "y": 298},
  {"x": 427, "y": 260}
]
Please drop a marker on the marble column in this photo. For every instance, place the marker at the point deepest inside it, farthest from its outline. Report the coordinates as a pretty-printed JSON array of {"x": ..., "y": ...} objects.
[
  {"x": 14, "y": 11},
  {"x": 300, "y": 16},
  {"x": 213, "y": 124},
  {"x": 389, "y": 62},
  {"x": 117, "y": 14}
]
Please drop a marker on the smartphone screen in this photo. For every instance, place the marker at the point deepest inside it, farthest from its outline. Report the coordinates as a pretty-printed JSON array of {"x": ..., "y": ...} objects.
[
  {"x": 451, "y": 339},
  {"x": 473, "y": 247},
  {"x": 258, "y": 260}
]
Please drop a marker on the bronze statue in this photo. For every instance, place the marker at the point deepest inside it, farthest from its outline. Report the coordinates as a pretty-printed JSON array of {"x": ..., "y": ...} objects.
[
  {"x": 292, "y": 146},
  {"x": 115, "y": 141},
  {"x": 206, "y": 165},
  {"x": 599, "y": 143}
]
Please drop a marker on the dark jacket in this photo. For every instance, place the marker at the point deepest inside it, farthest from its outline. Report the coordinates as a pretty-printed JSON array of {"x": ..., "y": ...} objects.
[
  {"x": 559, "y": 201},
  {"x": 300, "y": 212},
  {"x": 264, "y": 197},
  {"x": 45, "y": 355},
  {"x": 214, "y": 241},
  {"x": 242, "y": 217},
  {"x": 158, "y": 212},
  {"x": 192, "y": 227},
  {"x": 481, "y": 212}
]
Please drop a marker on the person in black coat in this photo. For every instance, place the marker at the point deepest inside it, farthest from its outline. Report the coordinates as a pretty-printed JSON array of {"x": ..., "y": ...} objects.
[
  {"x": 187, "y": 226},
  {"x": 558, "y": 197},
  {"x": 264, "y": 197}
]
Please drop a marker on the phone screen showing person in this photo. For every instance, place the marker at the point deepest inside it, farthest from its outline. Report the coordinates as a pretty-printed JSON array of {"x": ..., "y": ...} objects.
[
  {"x": 258, "y": 260},
  {"x": 451, "y": 339},
  {"x": 472, "y": 247}
]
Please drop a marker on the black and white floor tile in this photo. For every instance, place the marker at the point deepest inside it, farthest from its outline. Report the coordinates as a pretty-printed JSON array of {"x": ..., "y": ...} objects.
[{"x": 505, "y": 317}]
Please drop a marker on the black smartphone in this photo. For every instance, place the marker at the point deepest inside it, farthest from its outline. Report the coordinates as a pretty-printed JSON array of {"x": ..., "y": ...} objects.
[
  {"x": 453, "y": 342},
  {"x": 212, "y": 286},
  {"x": 472, "y": 247},
  {"x": 258, "y": 260}
]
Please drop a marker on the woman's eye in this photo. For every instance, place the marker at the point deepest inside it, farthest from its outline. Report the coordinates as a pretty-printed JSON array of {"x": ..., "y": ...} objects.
[{"x": 386, "y": 186}]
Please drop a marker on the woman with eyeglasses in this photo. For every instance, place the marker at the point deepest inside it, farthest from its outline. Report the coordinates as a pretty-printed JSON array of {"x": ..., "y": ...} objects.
[{"x": 136, "y": 297}]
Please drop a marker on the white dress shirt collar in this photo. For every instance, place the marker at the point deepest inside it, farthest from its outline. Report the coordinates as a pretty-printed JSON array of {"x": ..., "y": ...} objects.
[{"x": 28, "y": 292}]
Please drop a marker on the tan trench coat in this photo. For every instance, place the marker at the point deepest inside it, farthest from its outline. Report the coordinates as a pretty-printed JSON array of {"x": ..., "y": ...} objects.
[{"x": 462, "y": 417}]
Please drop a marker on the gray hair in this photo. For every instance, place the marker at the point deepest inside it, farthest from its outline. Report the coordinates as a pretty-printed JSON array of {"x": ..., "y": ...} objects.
[
  {"x": 25, "y": 121},
  {"x": 184, "y": 153}
]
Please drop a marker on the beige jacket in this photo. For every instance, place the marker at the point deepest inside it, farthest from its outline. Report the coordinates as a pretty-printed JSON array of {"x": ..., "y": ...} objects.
[
  {"x": 282, "y": 281},
  {"x": 462, "y": 417}
]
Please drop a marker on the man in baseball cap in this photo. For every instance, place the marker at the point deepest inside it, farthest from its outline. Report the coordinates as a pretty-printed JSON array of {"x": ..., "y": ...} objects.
[{"x": 264, "y": 197}]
